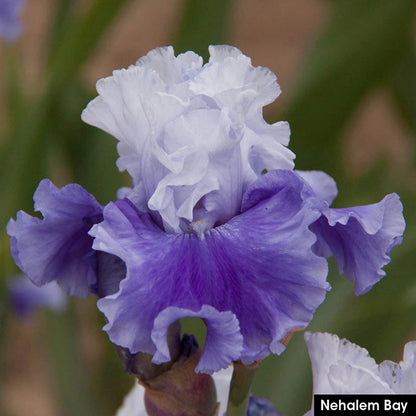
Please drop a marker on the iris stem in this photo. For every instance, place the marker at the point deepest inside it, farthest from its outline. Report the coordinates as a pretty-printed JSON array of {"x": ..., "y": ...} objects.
[{"x": 240, "y": 388}]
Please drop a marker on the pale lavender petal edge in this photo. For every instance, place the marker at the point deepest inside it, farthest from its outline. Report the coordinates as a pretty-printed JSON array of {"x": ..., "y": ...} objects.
[
  {"x": 361, "y": 238},
  {"x": 57, "y": 247},
  {"x": 223, "y": 344}
]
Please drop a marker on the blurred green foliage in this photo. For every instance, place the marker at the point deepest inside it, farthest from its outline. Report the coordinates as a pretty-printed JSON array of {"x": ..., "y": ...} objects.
[{"x": 365, "y": 45}]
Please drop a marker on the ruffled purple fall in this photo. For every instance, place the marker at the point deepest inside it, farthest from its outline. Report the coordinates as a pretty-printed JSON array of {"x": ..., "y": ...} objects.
[{"x": 217, "y": 225}]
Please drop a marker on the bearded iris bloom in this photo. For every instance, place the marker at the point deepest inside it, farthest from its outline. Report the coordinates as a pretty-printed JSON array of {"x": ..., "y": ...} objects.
[{"x": 217, "y": 225}]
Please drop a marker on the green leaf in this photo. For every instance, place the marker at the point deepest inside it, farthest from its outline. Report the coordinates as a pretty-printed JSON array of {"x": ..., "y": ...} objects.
[
  {"x": 14, "y": 96},
  {"x": 63, "y": 14},
  {"x": 203, "y": 23},
  {"x": 81, "y": 38},
  {"x": 22, "y": 162},
  {"x": 69, "y": 379},
  {"x": 403, "y": 84},
  {"x": 358, "y": 49},
  {"x": 89, "y": 152}
]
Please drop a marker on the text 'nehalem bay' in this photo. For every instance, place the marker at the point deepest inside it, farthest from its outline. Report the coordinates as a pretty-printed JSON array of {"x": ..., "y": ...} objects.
[{"x": 368, "y": 404}]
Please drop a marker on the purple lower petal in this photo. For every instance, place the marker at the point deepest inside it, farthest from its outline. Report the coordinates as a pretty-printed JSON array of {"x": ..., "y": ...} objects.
[
  {"x": 361, "y": 238},
  {"x": 224, "y": 341},
  {"x": 250, "y": 355},
  {"x": 58, "y": 246},
  {"x": 259, "y": 266},
  {"x": 322, "y": 184}
]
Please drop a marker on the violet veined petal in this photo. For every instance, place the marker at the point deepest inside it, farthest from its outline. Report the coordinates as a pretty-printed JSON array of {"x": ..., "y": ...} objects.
[
  {"x": 259, "y": 266},
  {"x": 57, "y": 247},
  {"x": 223, "y": 344},
  {"x": 361, "y": 238}
]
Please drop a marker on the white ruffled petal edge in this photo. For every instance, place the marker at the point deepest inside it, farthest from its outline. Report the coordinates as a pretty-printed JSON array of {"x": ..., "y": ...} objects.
[
  {"x": 179, "y": 124},
  {"x": 341, "y": 367}
]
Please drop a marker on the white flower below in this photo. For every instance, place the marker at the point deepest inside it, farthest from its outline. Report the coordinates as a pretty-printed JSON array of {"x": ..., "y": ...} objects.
[
  {"x": 341, "y": 367},
  {"x": 192, "y": 136},
  {"x": 133, "y": 403}
]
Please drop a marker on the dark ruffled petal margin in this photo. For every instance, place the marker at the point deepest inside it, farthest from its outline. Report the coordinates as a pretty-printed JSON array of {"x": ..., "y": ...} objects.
[{"x": 58, "y": 246}]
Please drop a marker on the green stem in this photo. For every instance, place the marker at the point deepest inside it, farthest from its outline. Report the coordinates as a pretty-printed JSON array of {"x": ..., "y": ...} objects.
[{"x": 240, "y": 388}]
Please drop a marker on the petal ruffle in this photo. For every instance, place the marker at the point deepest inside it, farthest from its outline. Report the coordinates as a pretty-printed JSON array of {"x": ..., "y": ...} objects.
[
  {"x": 224, "y": 341},
  {"x": 259, "y": 266},
  {"x": 192, "y": 137},
  {"x": 171, "y": 69},
  {"x": 321, "y": 183},
  {"x": 339, "y": 366},
  {"x": 231, "y": 80},
  {"x": 58, "y": 246},
  {"x": 361, "y": 238},
  {"x": 401, "y": 376}
]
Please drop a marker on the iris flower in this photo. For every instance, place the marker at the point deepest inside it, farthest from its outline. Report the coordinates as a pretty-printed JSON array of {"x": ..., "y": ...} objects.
[
  {"x": 217, "y": 224},
  {"x": 341, "y": 367}
]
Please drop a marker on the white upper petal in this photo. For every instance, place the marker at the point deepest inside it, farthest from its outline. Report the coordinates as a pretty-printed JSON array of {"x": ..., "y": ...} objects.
[
  {"x": 341, "y": 367},
  {"x": 331, "y": 355},
  {"x": 133, "y": 403},
  {"x": 345, "y": 378},
  {"x": 231, "y": 80},
  {"x": 172, "y": 70},
  {"x": 402, "y": 376},
  {"x": 192, "y": 137}
]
